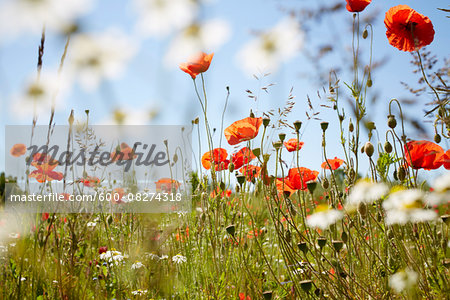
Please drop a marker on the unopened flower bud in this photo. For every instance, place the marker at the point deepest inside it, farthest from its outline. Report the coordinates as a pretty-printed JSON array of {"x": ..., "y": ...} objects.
[
  {"x": 231, "y": 167},
  {"x": 437, "y": 138},
  {"x": 365, "y": 34},
  {"x": 325, "y": 183},
  {"x": 362, "y": 209},
  {"x": 344, "y": 236},
  {"x": 401, "y": 173},
  {"x": 392, "y": 122},
  {"x": 387, "y": 147},
  {"x": 351, "y": 127},
  {"x": 369, "y": 149}
]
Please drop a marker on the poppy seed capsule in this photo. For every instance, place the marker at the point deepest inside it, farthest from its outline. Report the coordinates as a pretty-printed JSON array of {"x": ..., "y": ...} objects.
[
  {"x": 324, "y": 125},
  {"x": 303, "y": 247},
  {"x": 266, "y": 122},
  {"x": 267, "y": 295},
  {"x": 297, "y": 125},
  {"x": 311, "y": 186},
  {"x": 306, "y": 285},
  {"x": 392, "y": 122},
  {"x": 282, "y": 136},
  {"x": 437, "y": 138},
  {"x": 337, "y": 245},
  {"x": 321, "y": 241},
  {"x": 231, "y": 229},
  {"x": 369, "y": 149},
  {"x": 387, "y": 147},
  {"x": 240, "y": 179}
]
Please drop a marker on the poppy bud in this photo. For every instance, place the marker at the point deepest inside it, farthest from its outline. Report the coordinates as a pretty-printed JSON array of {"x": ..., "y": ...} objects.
[
  {"x": 297, "y": 125},
  {"x": 306, "y": 285},
  {"x": 231, "y": 229},
  {"x": 288, "y": 236},
  {"x": 387, "y": 147},
  {"x": 337, "y": 245},
  {"x": 344, "y": 236},
  {"x": 266, "y": 121},
  {"x": 362, "y": 209},
  {"x": 324, "y": 125},
  {"x": 196, "y": 120},
  {"x": 303, "y": 247},
  {"x": 351, "y": 127},
  {"x": 282, "y": 136},
  {"x": 231, "y": 167},
  {"x": 365, "y": 34},
  {"x": 222, "y": 186},
  {"x": 369, "y": 82},
  {"x": 325, "y": 183},
  {"x": 437, "y": 138},
  {"x": 392, "y": 122},
  {"x": 368, "y": 148},
  {"x": 321, "y": 241},
  {"x": 401, "y": 173}
]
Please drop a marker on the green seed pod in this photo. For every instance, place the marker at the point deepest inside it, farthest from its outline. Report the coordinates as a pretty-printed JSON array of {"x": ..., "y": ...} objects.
[
  {"x": 266, "y": 121},
  {"x": 297, "y": 125},
  {"x": 311, "y": 186},
  {"x": 231, "y": 229},
  {"x": 267, "y": 295},
  {"x": 337, "y": 245},
  {"x": 369, "y": 82},
  {"x": 252, "y": 115},
  {"x": 321, "y": 241},
  {"x": 288, "y": 236},
  {"x": 306, "y": 285},
  {"x": 446, "y": 219},
  {"x": 387, "y": 147},
  {"x": 282, "y": 136},
  {"x": 231, "y": 167},
  {"x": 324, "y": 125},
  {"x": 303, "y": 246},
  {"x": 369, "y": 149},
  {"x": 390, "y": 234},
  {"x": 392, "y": 122},
  {"x": 240, "y": 179},
  {"x": 222, "y": 186},
  {"x": 437, "y": 138}
]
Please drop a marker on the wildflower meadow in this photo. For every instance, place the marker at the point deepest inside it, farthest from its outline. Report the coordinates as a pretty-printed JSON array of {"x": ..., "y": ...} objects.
[{"x": 210, "y": 149}]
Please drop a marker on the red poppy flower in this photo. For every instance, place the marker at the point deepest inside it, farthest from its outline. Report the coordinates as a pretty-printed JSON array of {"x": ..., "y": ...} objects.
[
  {"x": 242, "y": 157},
  {"x": 44, "y": 165},
  {"x": 357, "y": 5},
  {"x": 445, "y": 159},
  {"x": 293, "y": 145},
  {"x": 423, "y": 155},
  {"x": 197, "y": 64},
  {"x": 406, "y": 29},
  {"x": 18, "y": 150},
  {"x": 223, "y": 194},
  {"x": 167, "y": 185},
  {"x": 284, "y": 186},
  {"x": 300, "y": 176},
  {"x": 335, "y": 163},
  {"x": 242, "y": 130},
  {"x": 102, "y": 249},
  {"x": 250, "y": 172},
  {"x": 219, "y": 158},
  {"x": 90, "y": 181},
  {"x": 123, "y": 152}
]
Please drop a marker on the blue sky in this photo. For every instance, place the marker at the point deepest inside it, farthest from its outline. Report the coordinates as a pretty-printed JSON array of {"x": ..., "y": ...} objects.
[{"x": 147, "y": 82}]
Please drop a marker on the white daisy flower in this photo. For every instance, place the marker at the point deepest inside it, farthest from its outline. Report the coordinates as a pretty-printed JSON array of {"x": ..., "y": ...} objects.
[
  {"x": 441, "y": 193},
  {"x": 198, "y": 37},
  {"x": 91, "y": 224},
  {"x": 324, "y": 217},
  {"x": 367, "y": 192},
  {"x": 137, "y": 265},
  {"x": 19, "y": 16},
  {"x": 407, "y": 206},
  {"x": 403, "y": 280},
  {"x": 95, "y": 57},
  {"x": 269, "y": 49},
  {"x": 179, "y": 259},
  {"x": 112, "y": 256},
  {"x": 14, "y": 235},
  {"x": 160, "y": 18}
]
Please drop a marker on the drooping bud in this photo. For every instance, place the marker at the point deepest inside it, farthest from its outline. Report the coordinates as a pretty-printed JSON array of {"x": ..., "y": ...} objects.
[
  {"x": 401, "y": 173},
  {"x": 325, "y": 183},
  {"x": 365, "y": 34},
  {"x": 351, "y": 127},
  {"x": 387, "y": 147},
  {"x": 437, "y": 138}
]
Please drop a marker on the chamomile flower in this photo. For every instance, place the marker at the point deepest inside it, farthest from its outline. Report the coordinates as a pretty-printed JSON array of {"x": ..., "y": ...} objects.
[
  {"x": 137, "y": 265},
  {"x": 367, "y": 192},
  {"x": 441, "y": 191},
  {"x": 271, "y": 48},
  {"x": 403, "y": 280},
  {"x": 407, "y": 206},
  {"x": 179, "y": 259},
  {"x": 91, "y": 224},
  {"x": 139, "y": 292},
  {"x": 112, "y": 256},
  {"x": 324, "y": 217}
]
